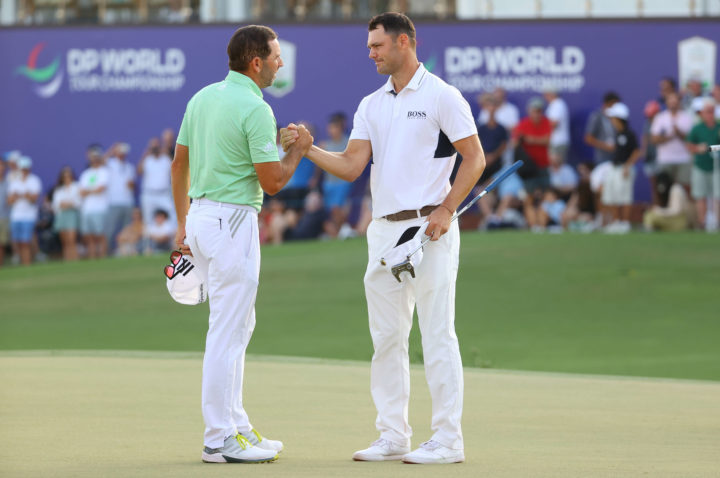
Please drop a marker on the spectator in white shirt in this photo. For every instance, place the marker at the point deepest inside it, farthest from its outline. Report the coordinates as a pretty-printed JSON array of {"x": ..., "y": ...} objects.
[
  {"x": 66, "y": 201},
  {"x": 154, "y": 168},
  {"x": 160, "y": 233},
  {"x": 93, "y": 213},
  {"x": 23, "y": 193},
  {"x": 559, "y": 115},
  {"x": 668, "y": 131},
  {"x": 563, "y": 178},
  {"x": 121, "y": 191}
]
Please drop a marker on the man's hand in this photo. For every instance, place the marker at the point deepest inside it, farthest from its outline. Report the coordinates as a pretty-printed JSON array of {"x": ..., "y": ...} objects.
[
  {"x": 180, "y": 241},
  {"x": 288, "y": 136},
  {"x": 439, "y": 222},
  {"x": 626, "y": 171},
  {"x": 304, "y": 140}
]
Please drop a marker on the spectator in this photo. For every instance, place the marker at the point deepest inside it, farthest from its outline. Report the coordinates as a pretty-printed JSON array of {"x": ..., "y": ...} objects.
[
  {"x": 168, "y": 142},
  {"x": 579, "y": 215},
  {"x": 563, "y": 178},
  {"x": 154, "y": 168},
  {"x": 551, "y": 210},
  {"x": 693, "y": 91},
  {"x": 66, "y": 201},
  {"x": 4, "y": 212},
  {"x": 94, "y": 208},
  {"x": 617, "y": 191},
  {"x": 532, "y": 136},
  {"x": 507, "y": 115},
  {"x": 716, "y": 98},
  {"x": 23, "y": 193},
  {"x": 48, "y": 243},
  {"x": 12, "y": 164},
  {"x": 668, "y": 86},
  {"x": 130, "y": 237},
  {"x": 335, "y": 190},
  {"x": 668, "y": 131},
  {"x": 121, "y": 191},
  {"x": 493, "y": 137},
  {"x": 675, "y": 211},
  {"x": 559, "y": 115},
  {"x": 649, "y": 150},
  {"x": 599, "y": 132},
  {"x": 292, "y": 226},
  {"x": 159, "y": 233},
  {"x": 702, "y": 135}
]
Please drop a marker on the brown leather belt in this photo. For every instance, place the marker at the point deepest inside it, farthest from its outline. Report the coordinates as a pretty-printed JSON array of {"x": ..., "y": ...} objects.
[{"x": 410, "y": 214}]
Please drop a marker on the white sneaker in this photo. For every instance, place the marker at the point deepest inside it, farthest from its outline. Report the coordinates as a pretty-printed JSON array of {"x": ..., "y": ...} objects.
[
  {"x": 381, "y": 450},
  {"x": 237, "y": 449},
  {"x": 260, "y": 441},
  {"x": 432, "y": 452}
]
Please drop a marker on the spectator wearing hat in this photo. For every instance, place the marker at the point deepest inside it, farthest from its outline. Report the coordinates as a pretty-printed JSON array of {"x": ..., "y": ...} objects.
[
  {"x": 559, "y": 115},
  {"x": 66, "y": 201},
  {"x": 154, "y": 168},
  {"x": 668, "y": 131},
  {"x": 23, "y": 194},
  {"x": 13, "y": 171},
  {"x": 121, "y": 191},
  {"x": 617, "y": 191},
  {"x": 532, "y": 136},
  {"x": 702, "y": 135},
  {"x": 94, "y": 209},
  {"x": 599, "y": 132},
  {"x": 4, "y": 211}
]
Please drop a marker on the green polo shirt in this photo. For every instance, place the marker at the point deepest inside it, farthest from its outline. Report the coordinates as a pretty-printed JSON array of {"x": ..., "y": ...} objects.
[
  {"x": 702, "y": 134},
  {"x": 227, "y": 128}
]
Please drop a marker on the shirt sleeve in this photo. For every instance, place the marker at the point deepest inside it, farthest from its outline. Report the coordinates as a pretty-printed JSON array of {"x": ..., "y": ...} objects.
[
  {"x": 454, "y": 115},
  {"x": 360, "y": 127},
  {"x": 261, "y": 132},
  {"x": 554, "y": 112},
  {"x": 591, "y": 127},
  {"x": 656, "y": 127}
]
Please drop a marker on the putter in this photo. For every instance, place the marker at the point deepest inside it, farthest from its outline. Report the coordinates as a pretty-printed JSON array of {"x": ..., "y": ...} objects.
[{"x": 407, "y": 265}]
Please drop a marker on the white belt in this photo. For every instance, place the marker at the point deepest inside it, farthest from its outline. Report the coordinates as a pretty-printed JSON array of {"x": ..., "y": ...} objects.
[{"x": 210, "y": 202}]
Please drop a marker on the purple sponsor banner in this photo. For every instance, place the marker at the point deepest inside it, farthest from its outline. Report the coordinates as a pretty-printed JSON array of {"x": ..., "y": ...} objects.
[{"x": 64, "y": 88}]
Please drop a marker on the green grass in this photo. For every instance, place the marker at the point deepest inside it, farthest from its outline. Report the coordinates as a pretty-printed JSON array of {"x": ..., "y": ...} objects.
[{"x": 643, "y": 305}]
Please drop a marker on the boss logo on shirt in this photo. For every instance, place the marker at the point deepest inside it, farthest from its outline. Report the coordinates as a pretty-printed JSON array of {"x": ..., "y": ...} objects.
[{"x": 416, "y": 115}]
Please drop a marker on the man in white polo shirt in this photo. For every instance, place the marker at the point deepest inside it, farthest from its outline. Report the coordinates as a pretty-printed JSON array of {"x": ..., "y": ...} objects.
[
  {"x": 412, "y": 126},
  {"x": 225, "y": 157}
]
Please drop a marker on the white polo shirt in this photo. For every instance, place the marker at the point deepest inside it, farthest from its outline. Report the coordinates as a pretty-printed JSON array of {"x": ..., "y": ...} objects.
[
  {"x": 411, "y": 134},
  {"x": 90, "y": 180}
]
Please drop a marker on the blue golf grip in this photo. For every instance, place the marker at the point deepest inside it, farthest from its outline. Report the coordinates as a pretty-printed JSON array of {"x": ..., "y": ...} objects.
[{"x": 513, "y": 167}]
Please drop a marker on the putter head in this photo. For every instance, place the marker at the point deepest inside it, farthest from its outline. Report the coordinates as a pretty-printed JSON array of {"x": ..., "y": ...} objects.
[{"x": 404, "y": 266}]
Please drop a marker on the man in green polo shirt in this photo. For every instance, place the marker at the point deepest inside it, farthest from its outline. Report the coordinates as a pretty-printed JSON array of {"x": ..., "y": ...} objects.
[
  {"x": 225, "y": 157},
  {"x": 702, "y": 135}
]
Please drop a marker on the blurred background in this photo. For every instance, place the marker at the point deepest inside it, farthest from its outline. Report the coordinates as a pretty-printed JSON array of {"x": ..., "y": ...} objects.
[{"x": 94, "y": 92}]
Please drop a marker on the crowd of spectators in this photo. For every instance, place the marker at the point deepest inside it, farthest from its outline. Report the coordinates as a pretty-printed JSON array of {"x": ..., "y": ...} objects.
[
  {"x": 92, "y": 215},
  {"x": 103, "y": 211}
]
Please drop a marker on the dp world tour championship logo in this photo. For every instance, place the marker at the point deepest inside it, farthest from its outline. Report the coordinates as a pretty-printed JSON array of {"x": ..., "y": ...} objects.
[{"x": 47, "y": 79}]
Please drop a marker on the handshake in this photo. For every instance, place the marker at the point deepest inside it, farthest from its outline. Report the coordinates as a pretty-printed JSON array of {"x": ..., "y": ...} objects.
[{"x": 296, "y": 136}]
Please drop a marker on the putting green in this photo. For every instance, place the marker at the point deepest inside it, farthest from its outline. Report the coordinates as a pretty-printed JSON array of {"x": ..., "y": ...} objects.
[{"x": 139, "y": 415}]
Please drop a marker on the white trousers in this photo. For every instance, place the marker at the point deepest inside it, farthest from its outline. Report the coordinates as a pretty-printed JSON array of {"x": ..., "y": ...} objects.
[
  {"x": 225, "y": 244},
  {"x": 390, "y": 309}
]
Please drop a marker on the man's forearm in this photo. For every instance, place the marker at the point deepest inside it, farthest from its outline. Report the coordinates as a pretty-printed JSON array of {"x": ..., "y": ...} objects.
[
  {"x": 180, "y": 177},
  {"x": 335, "y": 163}
]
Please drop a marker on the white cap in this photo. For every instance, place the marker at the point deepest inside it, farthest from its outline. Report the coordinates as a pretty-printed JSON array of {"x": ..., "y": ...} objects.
[
  {"x": 24, "y": 162},
  {"x": 399, "y": 253},
  {"x": 13, "y": 156},
  {"x": 123, "y": 148},
  {"x": 187, "y": 285},
  {"x": 618, "y": 110}
]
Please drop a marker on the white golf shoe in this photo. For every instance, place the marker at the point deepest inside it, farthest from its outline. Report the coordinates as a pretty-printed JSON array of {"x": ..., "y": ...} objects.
[
  {"x": 432, "y": 452},
  {"x": 260, "y": 441},
  {"x": 381, "y": 450},
  {"x": 237, "y": 449}
]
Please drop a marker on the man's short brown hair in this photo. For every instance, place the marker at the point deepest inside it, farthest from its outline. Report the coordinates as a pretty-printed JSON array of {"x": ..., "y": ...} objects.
[
  {"x": 247, "y": 43},
  {"x": 394, "y": 24}
]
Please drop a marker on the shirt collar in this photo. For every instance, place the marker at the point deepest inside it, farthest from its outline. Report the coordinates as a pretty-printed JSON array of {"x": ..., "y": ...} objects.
[
  {"x": 414, "y": 83},
  {"x": 244, "y": 80}
]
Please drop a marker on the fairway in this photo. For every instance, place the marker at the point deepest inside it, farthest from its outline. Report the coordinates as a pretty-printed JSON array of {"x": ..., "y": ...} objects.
[
  {"x": 642, "y": 304},
  {"x": 120, "y": 416}
]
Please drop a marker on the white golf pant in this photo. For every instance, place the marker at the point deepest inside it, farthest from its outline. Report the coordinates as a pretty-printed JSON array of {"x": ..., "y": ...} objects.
[
  {"x": 390, "y": 309},
  {"x": 224, "y": 241}
]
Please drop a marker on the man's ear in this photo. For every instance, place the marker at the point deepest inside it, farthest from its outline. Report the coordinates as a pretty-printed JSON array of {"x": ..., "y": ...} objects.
[{"x": 256, "y": 64}]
